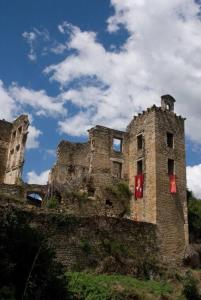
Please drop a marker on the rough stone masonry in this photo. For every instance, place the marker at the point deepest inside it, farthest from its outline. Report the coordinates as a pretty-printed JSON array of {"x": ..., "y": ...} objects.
[
  {"x": 152, "y": 145},
  {"x": 152, "y": 148}
]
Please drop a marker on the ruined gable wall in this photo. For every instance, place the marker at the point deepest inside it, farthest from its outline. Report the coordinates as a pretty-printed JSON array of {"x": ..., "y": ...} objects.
[
  {"x": 144, "y": 124},
  {"x": 5, "y": 133},
  {"x": 72, "y": 164},
  {"x": 16, "y": 148},
  {"x": 171, "y": 208},
  {"x": 104, "y": 159}
]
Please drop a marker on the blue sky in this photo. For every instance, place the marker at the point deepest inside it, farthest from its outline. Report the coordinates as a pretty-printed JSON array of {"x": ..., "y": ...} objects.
[{"x": 73, "y": 64}]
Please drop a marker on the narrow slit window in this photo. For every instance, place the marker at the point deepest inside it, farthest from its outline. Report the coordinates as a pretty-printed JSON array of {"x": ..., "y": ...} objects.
[
  {"x": 139, "y": 167},
  {"x": 14, "y": 134},
  {"x": 139, "y": 142},
  {"x": 20, "y": 129},
  {"x": 117, "y": 145},
  {"x": 170, "y": 140},
  {"x": 171, "y": 167}
]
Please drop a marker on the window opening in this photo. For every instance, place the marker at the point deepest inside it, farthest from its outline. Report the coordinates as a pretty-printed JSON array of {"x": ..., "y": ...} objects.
[
  {"x": 17, "y": 147},
  {"x": 139, "y": 167},
  {"x": 14, "y": 134},
  {"x": 117, "y": 169},
  {"x": 170, "y": 140},
  {"x": 171, "y": 167},
  {"x": 117, "y": 145},
  {"x": 139, "y": 142},
  {"x": 20, "y": 129}
]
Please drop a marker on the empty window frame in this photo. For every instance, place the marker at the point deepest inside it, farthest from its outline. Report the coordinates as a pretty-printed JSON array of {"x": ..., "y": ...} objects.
[
  {"x": 171, "y": 167},
  {"x": 117, "y": 169},
  {"x": 170, "y": 140},
  {"x": 139, "y": 142},
  {"x": 140, "y": 167},
  {"x": 14, "y": 134},
  {"x": 12, "y": 152},
  {"x": 20, "y": 129},
  {"x": 117, "y": 145},
  {"x": 17, "y": 148}
]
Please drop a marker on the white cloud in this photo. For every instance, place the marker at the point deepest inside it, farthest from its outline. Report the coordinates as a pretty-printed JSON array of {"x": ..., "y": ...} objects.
[
  {"x": 194, "y": 179},
  {"x": 32, "y": 141},
  {"x": 37, "y": 100},
  {"x": 34, "y": 178},
  {"x": 33, "y": 38},
  {"x": 161, "y": 55},
  {"x": 7, "y": 104}
]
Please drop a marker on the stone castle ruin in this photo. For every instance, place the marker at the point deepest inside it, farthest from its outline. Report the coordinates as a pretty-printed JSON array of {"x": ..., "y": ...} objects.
[
  {"x": 149, "y": 156},
  {"x": 13, "y": 138}
]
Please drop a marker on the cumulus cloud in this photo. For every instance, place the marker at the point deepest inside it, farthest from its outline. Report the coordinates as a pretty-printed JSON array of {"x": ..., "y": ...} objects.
[
  {"x": 161, "y": 55},
  {"x": 38, "y": 100},
  {"x": 34, "y": 178},
  {"x": 7, "y": 103},
  {"x": 194, "y": 179},
  {"x": 32, "y": 141}
]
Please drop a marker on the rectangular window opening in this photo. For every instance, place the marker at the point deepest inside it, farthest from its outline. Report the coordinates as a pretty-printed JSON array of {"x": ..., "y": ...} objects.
[
  {"x": 14, "y": 134},
  {"x": 20, "y": 129},
  {"x": 171, "y": 167},
  {"x": 139, "y": 142},
  {"x": 170, "y": 140},
  {"x": 117, "y": 145},
  {"x": 117, "y": 169},
  {"x": 139, "y": 167}
]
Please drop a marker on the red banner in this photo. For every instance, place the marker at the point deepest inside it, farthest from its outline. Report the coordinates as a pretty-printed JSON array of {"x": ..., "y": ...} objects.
[
  {"x": 173, "y": 187},
  {"x": 139, "y": 180}
]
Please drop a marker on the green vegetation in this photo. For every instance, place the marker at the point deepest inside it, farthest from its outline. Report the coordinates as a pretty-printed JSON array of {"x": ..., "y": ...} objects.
[
  {"x": 28, "y": 269},
  {"x": 116, "y": 287},
  {"x": 85, "y": 246},
  {"x": 120, "y": 190},
  {"x": 52, "y": 203},
  {"x": 190, "y": 289},
  {"x": 194, "y": 217},
  {"x": 122, "y": 193}
]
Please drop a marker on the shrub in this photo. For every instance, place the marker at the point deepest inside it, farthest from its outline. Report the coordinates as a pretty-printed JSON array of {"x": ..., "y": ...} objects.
[
  {"x": 190, "y": 289},
  {"x": 85, "y": 246},
  {"x": 28, "y": 269},
  {"x": 52, "y": 203}
]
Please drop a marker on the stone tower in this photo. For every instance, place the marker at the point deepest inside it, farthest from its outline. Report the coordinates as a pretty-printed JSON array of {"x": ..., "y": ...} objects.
[
  {"x": 157, "y": 150},
  {"x": 13, "y": 138}
]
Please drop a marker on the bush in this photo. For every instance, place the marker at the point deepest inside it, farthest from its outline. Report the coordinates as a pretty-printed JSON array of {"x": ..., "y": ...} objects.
[
  {"x": 52, "y": 203},
  {"x": 85, "y": 246},
  {"x": 190, "y": 289},
  {"x": 115, "y": 287},
  {"x": 194, "y": 217},
  {"x": 28, "y": 269}
]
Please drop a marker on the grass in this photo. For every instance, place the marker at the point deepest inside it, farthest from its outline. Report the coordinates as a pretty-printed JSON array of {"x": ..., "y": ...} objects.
[{"x": 116, "y": 287}]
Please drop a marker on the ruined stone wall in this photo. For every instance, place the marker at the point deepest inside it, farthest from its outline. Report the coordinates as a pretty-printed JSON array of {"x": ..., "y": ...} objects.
[
  {"x": 171, "y": 208},
  {"x": 5, "y": 133},
  {"x": 108, "y": 165},
  {"x": 72, "y": 166},
  {"x": 90, "y": 242},
  {"x": 143, "y": 209},
  {"x": 16, "y": 148}
]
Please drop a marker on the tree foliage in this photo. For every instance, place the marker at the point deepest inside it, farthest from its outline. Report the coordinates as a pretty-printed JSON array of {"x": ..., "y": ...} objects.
[
  {"x": 194, "y": 217},
  {"x": 27, "y": 266}
]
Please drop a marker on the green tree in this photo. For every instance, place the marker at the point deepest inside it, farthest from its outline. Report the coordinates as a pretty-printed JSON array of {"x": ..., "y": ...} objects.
[{"x": 28, "y": 269}]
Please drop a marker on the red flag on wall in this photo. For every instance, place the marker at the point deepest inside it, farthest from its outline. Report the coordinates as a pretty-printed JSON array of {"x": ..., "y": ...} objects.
[
  {"x": 139, "y": 180},
  {"x": 173, "y": 187}
]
